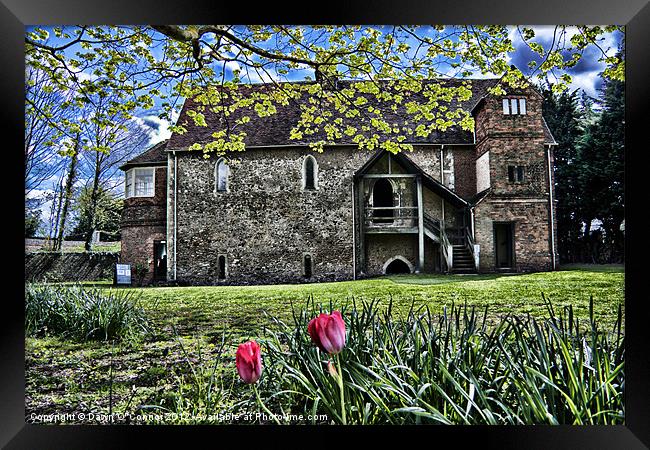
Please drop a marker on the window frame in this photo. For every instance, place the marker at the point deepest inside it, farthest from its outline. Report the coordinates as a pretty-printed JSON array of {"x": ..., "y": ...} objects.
[
  {"x": 225, "y": 267},
  {"x": 514, "y": 110},
  {"x": 132, "y": 175},
  {"x": 216, "y": 176},
  {"x": 507, "y": 104},
  {"x": 522, "y": 110},
  {"x": 305, "y": 257},
  {"x": 304, "y": 173},
  {"x": 518, "y": 174}
]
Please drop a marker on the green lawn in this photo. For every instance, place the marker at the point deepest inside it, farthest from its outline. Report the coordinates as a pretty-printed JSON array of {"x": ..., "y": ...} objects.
[
  {"x": 73, "y": 377},
  {"x": 244, "y": 307}
]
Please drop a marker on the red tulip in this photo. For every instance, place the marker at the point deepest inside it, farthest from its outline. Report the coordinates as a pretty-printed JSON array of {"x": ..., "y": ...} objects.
[
  {"x": 248, "y": 360},
  {"x": 328, "y": 332}
]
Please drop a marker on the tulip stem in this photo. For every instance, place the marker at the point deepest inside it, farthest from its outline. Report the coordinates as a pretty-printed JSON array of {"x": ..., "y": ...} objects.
[
  {"x": 259, "y": 400},
  {"x": 340, "y": 383}
]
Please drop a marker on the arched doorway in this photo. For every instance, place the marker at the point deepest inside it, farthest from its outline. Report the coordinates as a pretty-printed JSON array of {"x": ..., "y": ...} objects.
[
  {"x": 382, "y": 196},
  {"x": 397, "y": 266}
]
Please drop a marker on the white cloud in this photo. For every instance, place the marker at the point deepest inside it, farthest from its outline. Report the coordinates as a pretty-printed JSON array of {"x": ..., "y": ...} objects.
[
  {"x": 260, "y": 76},
  {"x": 157, "y": 127},
  {"x": 233, "y": 65},
  {"x": 585, "y": 81}
]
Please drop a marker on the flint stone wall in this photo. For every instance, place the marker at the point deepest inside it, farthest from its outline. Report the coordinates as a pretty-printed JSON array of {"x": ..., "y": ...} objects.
[{"x": 265, "y": 222}]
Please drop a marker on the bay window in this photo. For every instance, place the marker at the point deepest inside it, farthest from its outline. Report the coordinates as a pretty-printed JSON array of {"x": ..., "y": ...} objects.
[{"x": 140, "y": 182}]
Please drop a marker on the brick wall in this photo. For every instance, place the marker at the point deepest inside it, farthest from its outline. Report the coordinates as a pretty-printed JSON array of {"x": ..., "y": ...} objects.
[
  {"x": 531, "y": 233},
  {"x": 143, "y": 222},
  {"x": 465, "y": 171},
  {"x": 514, "y": 140}
]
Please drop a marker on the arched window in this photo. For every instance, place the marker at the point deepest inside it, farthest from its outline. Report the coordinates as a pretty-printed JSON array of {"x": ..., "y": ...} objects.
[
  {"x": 383, "y": 197},
  {"x": 310, "y": 173},
  {"x": 221, "y": 171},
  {"x": 307, "y": 266}
]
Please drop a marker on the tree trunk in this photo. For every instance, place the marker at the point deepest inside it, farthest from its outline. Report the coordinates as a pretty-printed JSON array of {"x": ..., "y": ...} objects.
[
  {"x": 67, "y": 194},
  {"x": 55, "y": 214},
  {"x": 93, "y": 208}
]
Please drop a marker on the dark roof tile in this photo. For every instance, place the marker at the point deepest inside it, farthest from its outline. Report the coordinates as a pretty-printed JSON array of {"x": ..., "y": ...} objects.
[
  {"x": 275, "y": 129},
  {"x": 153, "y": 156}
]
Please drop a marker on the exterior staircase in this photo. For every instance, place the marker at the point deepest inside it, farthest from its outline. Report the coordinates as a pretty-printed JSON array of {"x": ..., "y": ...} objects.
[
  {"x": 463, "y": 260},
  {"x": 455, "y": 243}
]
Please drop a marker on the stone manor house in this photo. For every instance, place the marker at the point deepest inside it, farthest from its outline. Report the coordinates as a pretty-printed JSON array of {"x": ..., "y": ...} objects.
[{"x": 279, "y": 212}]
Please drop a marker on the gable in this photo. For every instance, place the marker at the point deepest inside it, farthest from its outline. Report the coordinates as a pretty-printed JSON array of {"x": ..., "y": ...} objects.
[
  {"x": 153, "y": 156},
  {"x": 405, "y": 165}
]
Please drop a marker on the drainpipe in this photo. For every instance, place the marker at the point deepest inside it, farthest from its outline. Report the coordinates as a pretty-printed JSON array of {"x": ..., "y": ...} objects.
[
  {"x": 354, "y": 240},
  {"x": 550, "y": 193},
  {"x": 471, "y": 222},
  {"x": 175, "y": 202},
  {"x": 442, "y": 181}
]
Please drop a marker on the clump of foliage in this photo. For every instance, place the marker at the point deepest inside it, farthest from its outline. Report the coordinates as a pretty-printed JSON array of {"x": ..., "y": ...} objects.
[
  {"x": 101, "y": 211},
  {"x": 140, "y": 270},
  {"x": 389, "y": 63},
  {"x": 589, "y": 169},
  {"x": 206, "y": 392},
  {"x": 452, "y": 368},
  {"x": 78, "y": 313}
]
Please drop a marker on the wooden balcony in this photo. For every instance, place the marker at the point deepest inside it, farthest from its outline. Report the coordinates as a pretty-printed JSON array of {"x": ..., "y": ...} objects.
[{"x": 391, "y": 219}]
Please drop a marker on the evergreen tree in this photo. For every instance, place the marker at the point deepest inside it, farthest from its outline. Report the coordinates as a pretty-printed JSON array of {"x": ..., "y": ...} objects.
[
  {"x": 563, "y": 116},
  {"x": 606, "y": 174}
]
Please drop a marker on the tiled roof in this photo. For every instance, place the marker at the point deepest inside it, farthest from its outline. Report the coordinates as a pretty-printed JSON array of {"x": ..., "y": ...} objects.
[
  {"x": 275, "y": 129},
  {"x": 153, "y": 156},
  {"x": 548, "y": 136}
]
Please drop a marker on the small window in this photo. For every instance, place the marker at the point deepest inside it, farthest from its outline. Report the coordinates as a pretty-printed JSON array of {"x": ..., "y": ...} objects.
[
  {"x": 506, "y": 106},
  {"x": 144, "y": 182},
  {"x": 139, "y": 183},
  {"x": 221, "y": 171},
  {"x": 221, "y": 269},
  {"x": 310, "y": 173},
  {"x": 514, "y": 106},
  {"x": 307, "y": 266},
  {"x": 522, "y": 106},
  {"x": 515, "y": 174}
]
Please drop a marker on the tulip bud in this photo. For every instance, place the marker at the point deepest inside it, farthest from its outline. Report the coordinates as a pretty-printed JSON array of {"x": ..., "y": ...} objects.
[
  {"x": 327, "y": 331},
  {"x": 248, "y": 360}
]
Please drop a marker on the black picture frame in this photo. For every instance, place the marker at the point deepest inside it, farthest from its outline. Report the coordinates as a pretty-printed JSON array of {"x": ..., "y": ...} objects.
[{"x": 635, "y": 14}]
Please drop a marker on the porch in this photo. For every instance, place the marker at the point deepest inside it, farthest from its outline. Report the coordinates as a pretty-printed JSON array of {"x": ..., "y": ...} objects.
[{"x": 397, "y": 198}]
